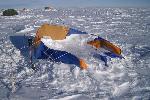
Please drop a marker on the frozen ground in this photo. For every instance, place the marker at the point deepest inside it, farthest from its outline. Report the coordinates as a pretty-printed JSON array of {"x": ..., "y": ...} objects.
[{"x": 126, "y": 79}]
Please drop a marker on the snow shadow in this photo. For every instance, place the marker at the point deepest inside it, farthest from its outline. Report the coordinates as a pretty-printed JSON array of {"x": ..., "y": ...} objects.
[
  {"x": 21, "y": 43},
  {"x": 140, "y": 53}
]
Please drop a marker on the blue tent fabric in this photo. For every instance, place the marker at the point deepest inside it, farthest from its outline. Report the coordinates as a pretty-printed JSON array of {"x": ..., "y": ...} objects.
[
  {"x": 102, "y": 58},
  {"x": 74, "y": 31},
  {"x": 99, "y": 38},
  {"x": 105, "y": 56},
  {"x": 43, "y": 52},
  {"x": 112, "y": 55}
]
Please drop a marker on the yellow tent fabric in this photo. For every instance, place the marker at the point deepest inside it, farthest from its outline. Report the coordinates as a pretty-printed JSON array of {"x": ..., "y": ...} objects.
[
  {"x": 55, "y": 32},
  {"x": 95, "y": 43},
  {"x": 113, "y": 48},
  {"x": 105, "y": 44}
]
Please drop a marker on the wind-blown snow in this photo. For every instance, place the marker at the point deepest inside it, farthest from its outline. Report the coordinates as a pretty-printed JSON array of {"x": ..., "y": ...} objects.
[{"x": 124, "y": 79}]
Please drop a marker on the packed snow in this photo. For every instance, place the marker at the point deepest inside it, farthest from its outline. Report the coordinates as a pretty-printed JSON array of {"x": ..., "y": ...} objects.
[{"x": 123, "y": 79}]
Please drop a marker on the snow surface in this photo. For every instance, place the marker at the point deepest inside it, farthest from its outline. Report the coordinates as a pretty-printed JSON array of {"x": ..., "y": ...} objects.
[{"x": 125, "y": 79}]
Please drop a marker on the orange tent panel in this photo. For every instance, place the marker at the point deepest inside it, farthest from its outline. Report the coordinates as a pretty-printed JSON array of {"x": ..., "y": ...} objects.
[{"x": 55, "y": 32}]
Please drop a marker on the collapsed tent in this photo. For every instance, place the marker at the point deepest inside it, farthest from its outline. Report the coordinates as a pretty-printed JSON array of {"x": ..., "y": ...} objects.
[{"x": 56, "y": 32}]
